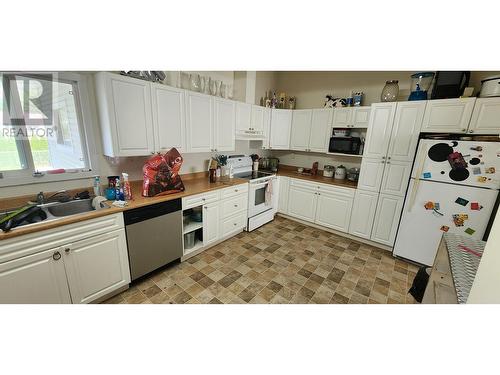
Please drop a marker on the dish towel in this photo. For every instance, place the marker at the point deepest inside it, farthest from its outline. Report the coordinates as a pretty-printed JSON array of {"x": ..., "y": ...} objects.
[{"x": 269, "y": 193}]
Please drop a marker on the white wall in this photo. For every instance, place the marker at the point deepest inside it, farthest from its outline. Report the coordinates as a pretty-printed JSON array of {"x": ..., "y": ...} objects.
[
  {"x": 486, "y": 286},
  {"x": 265, "y": 81}
]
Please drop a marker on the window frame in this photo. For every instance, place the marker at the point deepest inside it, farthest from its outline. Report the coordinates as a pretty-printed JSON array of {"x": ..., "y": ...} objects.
[{"x": 87, "y": 135}]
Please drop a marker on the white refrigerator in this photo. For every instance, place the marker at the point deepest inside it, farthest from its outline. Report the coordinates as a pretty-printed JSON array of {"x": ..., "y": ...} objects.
[{"x": 453, "y": 188}]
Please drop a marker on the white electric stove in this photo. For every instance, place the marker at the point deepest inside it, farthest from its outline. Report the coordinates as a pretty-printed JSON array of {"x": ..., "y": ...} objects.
[{"x": 260, "y": 209}]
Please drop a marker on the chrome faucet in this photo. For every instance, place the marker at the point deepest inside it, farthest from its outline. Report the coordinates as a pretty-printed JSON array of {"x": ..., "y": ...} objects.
[{"x": 40, "y": 197}]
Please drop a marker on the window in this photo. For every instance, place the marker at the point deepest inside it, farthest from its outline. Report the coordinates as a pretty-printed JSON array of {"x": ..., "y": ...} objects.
[{"x": 43, "y": 128}]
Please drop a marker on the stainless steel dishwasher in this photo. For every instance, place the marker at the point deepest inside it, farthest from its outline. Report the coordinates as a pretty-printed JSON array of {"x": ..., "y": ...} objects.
[{"x": 154, "y": 236}]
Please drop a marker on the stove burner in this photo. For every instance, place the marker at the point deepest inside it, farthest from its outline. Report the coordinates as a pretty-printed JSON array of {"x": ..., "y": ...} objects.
[{"x": 252, "y": 175}]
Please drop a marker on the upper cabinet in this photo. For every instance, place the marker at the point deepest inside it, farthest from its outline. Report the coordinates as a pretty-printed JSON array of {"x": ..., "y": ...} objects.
[
  {"x": 405, "y": 131},
  {"x": 486, "y": 116},
  {"x": 243, "y": 117},
  {"x": 250, "y": 121},
  {"x": 301, "y": 130},
  {"x": 448, "y": 115},
  {"x": 379, "y": 130},
  {"x": 320, "y": 130},
  {"x": 266, "y": 128},
  {"x": 281, "y": 123},
  {"x": 224, "y": 122},
  {"x": 168, "y": 117},
  {"x": 200, "y": 122},
  {"x": 125, "y": 115},
  {"x": 351, "y": 117},
  {"x": 258, "y": 118}
]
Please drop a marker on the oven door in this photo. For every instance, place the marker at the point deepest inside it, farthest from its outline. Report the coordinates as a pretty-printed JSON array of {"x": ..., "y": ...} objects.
[{"x": 257, "y": 199}]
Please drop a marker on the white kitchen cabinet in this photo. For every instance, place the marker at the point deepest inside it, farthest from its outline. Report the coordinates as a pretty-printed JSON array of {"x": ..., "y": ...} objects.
[
  {"x": 284, "y": 184},
  {"x": 267, "y": 128},
  {"x": 243, "y": 117},
  {"x": 387, "y": 217},
  {"x": 125, "y": 115},
  {"x": 300, "y": 130},
  {"x": 281, "y": 123},
  {"x": 96, "y": 266},
  {"x": 485, "y": 116},
  {"x": 360, "y": 117},
  {"x": 36, "y": 278},
  {"x": 379, "y": 130},
  {"x": 211, "y": 222},
  {"x": 320, "y": 130},
  {"x": 258, "y": 118},
  {"x": 224, "y": 122},
  {"x": 448, "y": 115},
  {"x": 405, "y": 131},
  {"x": 396, "y": 177},
  {"x": 199, "y": 122},
  {"x": 333, "y": 211},
  {"x": 351, "y": 117},
  {"x": 342, "y": 117},
  {"x": 302, "y": 201},
  {"x": 363, "y": 213},
  {"x": 371, "y": 173},
  {"x": 168, "y": 117}
]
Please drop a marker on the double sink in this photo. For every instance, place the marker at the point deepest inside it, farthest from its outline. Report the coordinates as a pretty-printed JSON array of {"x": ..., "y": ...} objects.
[{"x": 57, "y": 210}]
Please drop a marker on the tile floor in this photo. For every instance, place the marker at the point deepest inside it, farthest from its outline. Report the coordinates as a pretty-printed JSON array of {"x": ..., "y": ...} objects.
[{"x": 281, "y": 262}]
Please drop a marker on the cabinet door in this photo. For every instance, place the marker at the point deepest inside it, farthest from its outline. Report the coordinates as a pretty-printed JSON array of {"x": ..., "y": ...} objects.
[
  {"x": 334, "y": 211},
  {"x": 257, "y": 118},
  {"x": 396, "y": 177},
  {"x": 130, "y": 113},
  {"x": 267, "y": 128},
  {"x": 486, "y": 116},
  {"x": 379, "y": 130},
  {"x": 387, "y": 219},
  {"x": 225, "y": 116},
  {"x": 448, "y": 115},
  {"x": 281, "y": 122},
  {"x": 320, "y": 130},
  {"x": 168, "y": 117},
  {"x": 342, "y": 117},
  {"x": 97, "y": 266},
  {"x": 243, "y": 116},
  {"x": 199, "y": 120},
  {"x": 405, "y": 131},
  {"x": 37, "y": 278},
  {"x": 210, "y": 223},
  {"x": 284, "y": 183},
  {"x": 360, "y": 117},
  {"x": 302, "y": 203},
  {"x": 370, "y": 175},
  {"x": 363, "y": 213},
  {"x": 301, "y": 129}
]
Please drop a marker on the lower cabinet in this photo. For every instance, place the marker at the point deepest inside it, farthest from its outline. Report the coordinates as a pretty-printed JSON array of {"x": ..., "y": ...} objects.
[
  {"x": 37, "y": 278},
  {"x": 284, "y": 184},
  {"x": 321, "y": 204},
  {"x": 97, "y": 266},
  {"x": 363, "y": 213},
  {"x": 75, "y": 263},
  {"x": 333, "y": 211},
  {"x": 210, "y": 223},
  {"x": 387, "y": 217}
]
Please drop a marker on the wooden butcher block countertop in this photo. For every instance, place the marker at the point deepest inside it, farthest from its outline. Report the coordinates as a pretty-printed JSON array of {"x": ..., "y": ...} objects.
[
  {"x": 290, "y": 171},
  {"x": 196, "y": 183}
]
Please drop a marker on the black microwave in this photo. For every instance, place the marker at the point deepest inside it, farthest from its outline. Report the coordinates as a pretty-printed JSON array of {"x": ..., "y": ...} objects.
[{"x": 345, "y": 145}]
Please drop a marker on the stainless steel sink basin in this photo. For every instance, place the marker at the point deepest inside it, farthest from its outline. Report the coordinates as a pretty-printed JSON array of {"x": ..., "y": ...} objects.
[{"x": 70, "y": 208}]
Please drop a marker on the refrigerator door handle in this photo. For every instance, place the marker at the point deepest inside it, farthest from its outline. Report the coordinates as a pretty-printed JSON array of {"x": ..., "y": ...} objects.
[{"x": 420, "y": 167}]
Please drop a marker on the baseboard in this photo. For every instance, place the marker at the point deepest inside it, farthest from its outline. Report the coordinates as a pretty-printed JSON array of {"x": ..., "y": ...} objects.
[{"x": 342, "y": 234}]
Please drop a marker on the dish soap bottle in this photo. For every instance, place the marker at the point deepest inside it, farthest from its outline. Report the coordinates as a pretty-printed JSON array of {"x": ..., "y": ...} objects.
[{"x": 97, "y": 186}]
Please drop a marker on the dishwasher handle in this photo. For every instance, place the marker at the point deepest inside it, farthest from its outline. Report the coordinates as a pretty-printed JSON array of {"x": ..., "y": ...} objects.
[{"x": 137, "y": 215}]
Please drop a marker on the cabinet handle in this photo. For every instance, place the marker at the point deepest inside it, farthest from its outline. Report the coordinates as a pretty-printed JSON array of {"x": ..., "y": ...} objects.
[
  {"x": 471, "y": 131},
  {"x": 235, "y": 224},
  {"x": 389, "y": 158},
  {"x": 383, "y": 157},
  {"x": 67, "y": 250},
  {"x": 464, "y": 130},
  {"x": 388, "y": 162},
  {"x": 235, "y": 205},
  {"x": 56, "y": 255},
  {"x": 382, "y": 161}
]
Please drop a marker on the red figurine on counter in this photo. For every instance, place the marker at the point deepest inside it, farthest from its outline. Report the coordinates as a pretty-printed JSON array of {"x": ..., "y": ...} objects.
[{"x": 161, "y": 174}]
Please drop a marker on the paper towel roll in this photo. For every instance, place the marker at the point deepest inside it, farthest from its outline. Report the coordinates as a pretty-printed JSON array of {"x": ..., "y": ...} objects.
[{"x": 98, "y": 202}]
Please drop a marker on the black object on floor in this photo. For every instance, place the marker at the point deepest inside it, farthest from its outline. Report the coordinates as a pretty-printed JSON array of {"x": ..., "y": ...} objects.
[{"x": 420, "y": 281}]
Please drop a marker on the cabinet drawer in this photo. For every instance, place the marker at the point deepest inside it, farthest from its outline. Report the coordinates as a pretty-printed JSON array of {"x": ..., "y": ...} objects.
[
  {"x": 235, "y": 190},
  {"x": 199, "y": 199},
  {"x": 337, "y": 190},
  {"x": 233, "y": 223},
  {"x": 304, "y": 184},
  {"x": 234, "y": 205}
]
